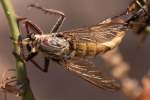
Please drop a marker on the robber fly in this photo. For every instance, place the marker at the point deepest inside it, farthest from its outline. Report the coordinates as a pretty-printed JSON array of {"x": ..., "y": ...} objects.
[
  {"x": 72, "y": 48},
  {"x": 140, "y": 23}
]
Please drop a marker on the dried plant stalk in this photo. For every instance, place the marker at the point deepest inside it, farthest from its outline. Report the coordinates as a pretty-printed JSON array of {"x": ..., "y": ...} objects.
[
  {"x": 120, "y": 70},
  {"x": 145, "y": 93}
]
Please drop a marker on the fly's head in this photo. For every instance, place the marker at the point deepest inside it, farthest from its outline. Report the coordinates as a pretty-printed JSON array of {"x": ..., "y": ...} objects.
[{"x": 31, "y": 43}]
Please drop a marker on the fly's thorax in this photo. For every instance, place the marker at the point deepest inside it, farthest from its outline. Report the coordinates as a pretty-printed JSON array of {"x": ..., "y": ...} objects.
[
  {"x": 41, "y": 38},
  {"x": 38, "y": 39},
  {"x": 54, "y": 47}
]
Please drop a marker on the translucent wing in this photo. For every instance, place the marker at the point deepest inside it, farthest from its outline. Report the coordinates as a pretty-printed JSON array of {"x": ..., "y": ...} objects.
[
  {"x": 90, "y": 73},
  {"x": 102, "y": 32}
]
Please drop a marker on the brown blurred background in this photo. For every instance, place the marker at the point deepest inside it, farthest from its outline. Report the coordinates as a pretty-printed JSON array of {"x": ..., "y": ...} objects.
[{"x": 59, "y": 84}]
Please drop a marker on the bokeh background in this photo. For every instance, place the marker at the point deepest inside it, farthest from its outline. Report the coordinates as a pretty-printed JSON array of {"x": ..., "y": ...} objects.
[{"x": 58, "y": 84}]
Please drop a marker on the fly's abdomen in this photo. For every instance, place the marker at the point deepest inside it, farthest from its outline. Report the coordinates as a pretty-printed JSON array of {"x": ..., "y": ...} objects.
[
  {"x": 93, "y": 48},
  {"x": 81, "y": 49},
  {"x": 90, "y": 49},
  {"x": 85, "y": 49}
]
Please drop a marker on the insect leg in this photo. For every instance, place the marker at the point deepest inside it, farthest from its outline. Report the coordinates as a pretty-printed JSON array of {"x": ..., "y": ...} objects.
[
  {"x": 58, "y": 23},
  {"x": 31, "y": 55},
  {"x": 54, "y": 12},
  {"x": 32, "y": 51},
  {"x": 19, "y": 19},
  {"x": 29, "y": 58},
  {"x": 30, "y": 26},
  {"x": 46, "y": 64},
  {"x": 45, "y": 69}
]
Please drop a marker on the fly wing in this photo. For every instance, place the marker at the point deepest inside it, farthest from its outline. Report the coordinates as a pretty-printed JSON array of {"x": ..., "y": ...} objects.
[
  {"x": 102, "y": 32},
  {"x": 90, "y": 73}
]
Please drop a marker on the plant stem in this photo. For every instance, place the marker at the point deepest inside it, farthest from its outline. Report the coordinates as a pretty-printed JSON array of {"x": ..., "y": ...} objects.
[{"x": 20, "y": 65}]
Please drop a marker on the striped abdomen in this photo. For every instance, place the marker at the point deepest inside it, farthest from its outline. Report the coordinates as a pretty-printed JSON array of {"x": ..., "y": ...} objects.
[
  {"x": 94, "y": 48},
  {"x": 97, "y": 39}
]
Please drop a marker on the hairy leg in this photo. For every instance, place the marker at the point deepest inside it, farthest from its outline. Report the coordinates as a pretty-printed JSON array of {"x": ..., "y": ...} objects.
[
  {"x": 53, "y": 12},
  {"x": 31, "y": 29}
]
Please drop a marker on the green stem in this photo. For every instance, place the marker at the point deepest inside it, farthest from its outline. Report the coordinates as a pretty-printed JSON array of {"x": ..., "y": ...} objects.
[{"x": 20, "y": 66}]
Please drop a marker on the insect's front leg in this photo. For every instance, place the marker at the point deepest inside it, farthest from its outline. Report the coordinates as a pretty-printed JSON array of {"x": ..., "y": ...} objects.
[
  {"x": 31, "y": 26},
  {"x": 46, "y": 64},
  {"x": 19, "y": 19},
  {"x": 30, "y": 57},
  {"x": 54, "y": 12},
  {"x": 32, "y": 52}
]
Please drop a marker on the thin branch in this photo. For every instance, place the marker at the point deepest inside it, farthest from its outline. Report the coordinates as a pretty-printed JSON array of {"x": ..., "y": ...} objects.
[{"x": 20, "y": 65}]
